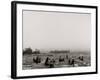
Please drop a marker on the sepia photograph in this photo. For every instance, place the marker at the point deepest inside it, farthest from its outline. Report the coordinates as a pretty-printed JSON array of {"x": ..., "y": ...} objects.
[{"x": 56, "y": 39}]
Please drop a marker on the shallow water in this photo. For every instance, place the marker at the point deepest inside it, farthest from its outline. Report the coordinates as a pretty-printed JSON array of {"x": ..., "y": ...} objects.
[{"x": 29, "y": 64}]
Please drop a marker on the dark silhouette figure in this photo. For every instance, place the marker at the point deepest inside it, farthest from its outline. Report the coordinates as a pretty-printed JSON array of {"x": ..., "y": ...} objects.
[
  {"x": 34, "y": 60},
  {"x": 47, "y": 61},
  {"x": 81, "y": 58},
  {"x": 52, "y": 62},
  {"x": 66, "y": 56},
  {"x": 69, "y": 61},
  {"x": 61, "y": 59},
  {"x": 37, "y": 60},
  {"x": 73, "y": 62}
]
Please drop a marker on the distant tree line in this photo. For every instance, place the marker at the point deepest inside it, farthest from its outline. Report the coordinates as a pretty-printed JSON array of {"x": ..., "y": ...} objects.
[
  {"x": 36, "y": 51},
  {"x": 30, "y": 51}
]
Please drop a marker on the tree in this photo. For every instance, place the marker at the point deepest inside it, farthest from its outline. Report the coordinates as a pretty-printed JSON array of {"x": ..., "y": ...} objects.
[
  {"x": 36, "y": 51},
  {"x": 27, "y": 51}
]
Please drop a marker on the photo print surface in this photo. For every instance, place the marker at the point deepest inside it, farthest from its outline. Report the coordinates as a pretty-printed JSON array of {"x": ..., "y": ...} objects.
[{"x": 55, "y": 39}]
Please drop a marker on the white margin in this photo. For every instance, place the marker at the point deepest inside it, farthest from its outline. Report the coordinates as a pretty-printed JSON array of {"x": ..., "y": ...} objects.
[{"x": 34, "y": 72}]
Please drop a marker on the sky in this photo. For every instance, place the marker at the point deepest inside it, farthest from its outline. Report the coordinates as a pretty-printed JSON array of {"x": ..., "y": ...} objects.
[{"x": 56, "y": 30}]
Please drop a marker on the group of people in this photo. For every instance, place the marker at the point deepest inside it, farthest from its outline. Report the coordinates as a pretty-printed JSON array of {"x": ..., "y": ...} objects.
[{"x": 50, "y": 62}]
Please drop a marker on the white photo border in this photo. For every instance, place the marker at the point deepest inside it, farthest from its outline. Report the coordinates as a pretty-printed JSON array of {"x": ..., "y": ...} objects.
[{"x": 20, "y": 6}]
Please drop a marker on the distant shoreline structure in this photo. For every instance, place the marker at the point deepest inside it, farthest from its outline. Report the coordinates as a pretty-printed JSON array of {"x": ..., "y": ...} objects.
[
  {"x": 37, "y": 51},
  {"x": 60, "y": 51}
]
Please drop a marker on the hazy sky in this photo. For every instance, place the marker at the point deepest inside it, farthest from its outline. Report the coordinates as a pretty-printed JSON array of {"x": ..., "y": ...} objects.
[{"x": 51, "y": 30}]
